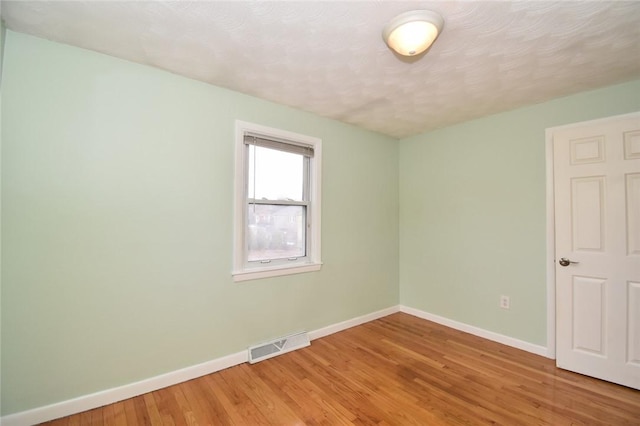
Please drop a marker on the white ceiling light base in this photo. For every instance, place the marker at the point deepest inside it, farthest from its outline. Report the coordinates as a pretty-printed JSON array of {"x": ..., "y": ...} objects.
[{"x": 411, "y": 33}]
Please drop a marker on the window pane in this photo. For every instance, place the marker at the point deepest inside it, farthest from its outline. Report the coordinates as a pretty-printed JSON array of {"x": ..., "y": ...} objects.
[
  {"x": 275, "y": 175},
  {"x": 276, "y": 232}
]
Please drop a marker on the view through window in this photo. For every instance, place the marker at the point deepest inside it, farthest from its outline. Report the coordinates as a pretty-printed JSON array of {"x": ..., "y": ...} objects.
[{"x": 277, "y": 204}]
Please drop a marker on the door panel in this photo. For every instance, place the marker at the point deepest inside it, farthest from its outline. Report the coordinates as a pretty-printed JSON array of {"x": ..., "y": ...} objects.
[
  {"x": 632, "y": 145},
  {"x": 597, "y": 218},
  {"x": 587, "y": 150},
  {"x": 587, "y": 213},
  {"x": 589, "y": 317},
  {"x": 633, "y": 336},
  {"x": 633, "y": 214}
]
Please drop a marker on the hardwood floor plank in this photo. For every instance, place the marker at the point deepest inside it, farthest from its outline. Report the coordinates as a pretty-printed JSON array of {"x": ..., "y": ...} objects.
[
  {"x": 273, "y": 408},
  {"x": 131, "y": 412},
  {"x": 152, "y": 409},
  {"x": 311, "y": 407},
  {"x": 215, "y": 386},
  {"x": 231, "y": 384},
  {"x": 109, "y": 415},
  {"x": 348, "y": 392},
  {"x": 398, "y": 370},
  {"x": 393, "y": 391},
  {"x": 186, "y": 407},
  {"x": 120, "y": 417},
  {"x": 170, "y": 411}
]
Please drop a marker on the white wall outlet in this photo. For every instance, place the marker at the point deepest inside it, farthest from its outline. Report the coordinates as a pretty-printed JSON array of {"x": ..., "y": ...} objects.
[{"x": 505, "y": 303}]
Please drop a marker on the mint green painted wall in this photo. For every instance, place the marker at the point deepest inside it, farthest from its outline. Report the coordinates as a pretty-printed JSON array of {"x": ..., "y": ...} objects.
[
  {"x": 472, "y": 213},
  {"x": 116, "y": 247},
  {"x": 2, "y": 39},
  {"x": 3, "y": 32}
]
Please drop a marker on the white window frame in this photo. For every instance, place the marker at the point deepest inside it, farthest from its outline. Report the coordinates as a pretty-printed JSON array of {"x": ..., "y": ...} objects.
[{"x": 242, "y": 269}]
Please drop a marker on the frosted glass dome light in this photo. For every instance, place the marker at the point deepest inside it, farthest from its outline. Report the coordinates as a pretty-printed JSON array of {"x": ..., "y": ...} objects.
[{"x": 411, "y": 33}]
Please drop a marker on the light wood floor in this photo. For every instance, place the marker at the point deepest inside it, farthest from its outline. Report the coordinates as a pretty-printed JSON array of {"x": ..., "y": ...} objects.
[{"x": 398, "y": 370}]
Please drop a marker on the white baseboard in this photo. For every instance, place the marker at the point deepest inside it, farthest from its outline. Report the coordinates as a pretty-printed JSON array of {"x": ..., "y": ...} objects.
[
  {"x": 110, "y": 396},
  {"x": 325, "y": 331},
  {"x": 480, "y": 332}
]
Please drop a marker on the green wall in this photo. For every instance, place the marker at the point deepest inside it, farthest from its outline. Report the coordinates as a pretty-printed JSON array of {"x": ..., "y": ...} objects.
[
  {"x": 472, "y": 213},
  {"x": 117, "y": 213},
  {"x": 2, "y": 39}
]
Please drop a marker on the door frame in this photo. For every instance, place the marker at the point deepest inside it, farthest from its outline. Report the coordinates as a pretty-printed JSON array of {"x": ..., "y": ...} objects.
[{"x": 550, "y": 208}]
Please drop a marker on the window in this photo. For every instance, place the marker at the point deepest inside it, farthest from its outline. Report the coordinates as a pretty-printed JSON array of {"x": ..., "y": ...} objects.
[{"x": 277, "y": 202}]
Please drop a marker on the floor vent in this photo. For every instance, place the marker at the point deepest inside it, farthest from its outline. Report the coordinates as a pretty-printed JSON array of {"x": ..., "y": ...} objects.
[{"x": 278, "y": 347}]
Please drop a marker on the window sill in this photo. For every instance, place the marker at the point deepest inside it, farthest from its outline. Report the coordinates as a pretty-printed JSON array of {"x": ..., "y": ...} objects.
[{"x": 258, "y": 273}]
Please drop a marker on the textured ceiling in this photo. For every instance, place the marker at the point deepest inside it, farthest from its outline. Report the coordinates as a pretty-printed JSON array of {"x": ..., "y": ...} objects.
[{"x": 329, "y": 58}]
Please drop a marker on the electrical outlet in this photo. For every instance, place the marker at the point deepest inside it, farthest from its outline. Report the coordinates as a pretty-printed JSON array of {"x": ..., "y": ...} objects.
[{"x": 505, "y": 303}]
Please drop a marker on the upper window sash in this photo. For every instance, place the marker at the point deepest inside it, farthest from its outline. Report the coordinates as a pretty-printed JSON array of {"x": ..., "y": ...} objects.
[{"x": 285, "y": 146}]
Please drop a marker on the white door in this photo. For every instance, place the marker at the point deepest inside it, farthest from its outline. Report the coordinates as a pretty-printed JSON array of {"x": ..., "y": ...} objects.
[{"x": 597, "y": 230}]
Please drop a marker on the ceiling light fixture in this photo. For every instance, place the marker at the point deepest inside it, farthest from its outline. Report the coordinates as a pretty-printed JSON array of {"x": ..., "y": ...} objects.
[{"x": 411, "y": 33}]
